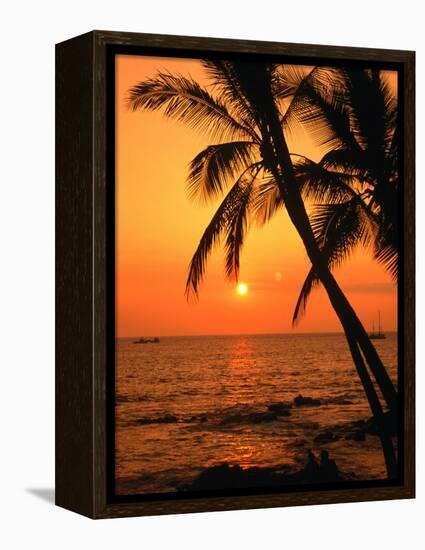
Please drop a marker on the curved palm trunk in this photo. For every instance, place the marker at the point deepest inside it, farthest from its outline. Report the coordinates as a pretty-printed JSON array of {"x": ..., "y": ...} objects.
[
  {"x": 341, "y": 305},
  {"x": 284, "y": 175},
  {"x": 376, "y": 408},
  {"x": 278, "y": 160},
  {"x": 352, "y": 328}
]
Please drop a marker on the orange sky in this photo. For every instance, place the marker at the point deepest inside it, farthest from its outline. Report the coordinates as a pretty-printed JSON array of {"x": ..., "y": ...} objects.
[{"x": 158, "y": 229}]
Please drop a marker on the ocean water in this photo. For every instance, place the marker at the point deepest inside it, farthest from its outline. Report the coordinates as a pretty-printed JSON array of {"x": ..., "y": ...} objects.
[{"x": 183, "y": 405}]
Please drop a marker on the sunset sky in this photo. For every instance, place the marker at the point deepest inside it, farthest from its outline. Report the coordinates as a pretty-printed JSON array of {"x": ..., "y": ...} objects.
[{"x": 158, "y": 229}]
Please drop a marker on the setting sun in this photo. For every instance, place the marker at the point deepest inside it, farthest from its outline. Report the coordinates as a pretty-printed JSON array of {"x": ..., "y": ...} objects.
[{"x": 242, "y": 289}]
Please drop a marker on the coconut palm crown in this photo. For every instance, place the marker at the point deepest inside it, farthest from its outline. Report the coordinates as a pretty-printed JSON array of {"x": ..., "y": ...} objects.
[
  {"x": 236, "y": 165},
  {"x": 354, "y": 112}
]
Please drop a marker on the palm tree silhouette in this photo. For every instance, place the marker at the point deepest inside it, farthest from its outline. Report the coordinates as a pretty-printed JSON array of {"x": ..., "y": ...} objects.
[
  {"x": 357, "y": 181},
  {"x": 245, "y": 117}
]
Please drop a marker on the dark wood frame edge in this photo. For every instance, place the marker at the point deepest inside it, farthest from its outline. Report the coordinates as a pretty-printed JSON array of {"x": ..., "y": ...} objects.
[{"x": 81, "y": 275}]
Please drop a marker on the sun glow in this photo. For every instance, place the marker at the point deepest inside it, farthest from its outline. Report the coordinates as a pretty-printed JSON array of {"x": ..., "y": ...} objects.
[{"x": 242, "y": 289}]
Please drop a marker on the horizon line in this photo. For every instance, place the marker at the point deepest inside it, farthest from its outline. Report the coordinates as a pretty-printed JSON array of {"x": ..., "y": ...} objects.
[{"x": 241, "y": 334}]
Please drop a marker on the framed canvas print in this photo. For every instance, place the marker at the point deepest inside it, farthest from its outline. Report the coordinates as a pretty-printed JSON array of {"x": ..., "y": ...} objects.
[{"x": 235, "y": 274}]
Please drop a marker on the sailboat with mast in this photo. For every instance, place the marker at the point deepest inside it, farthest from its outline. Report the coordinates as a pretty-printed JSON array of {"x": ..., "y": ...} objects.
[{"x": 377, "y": 335}]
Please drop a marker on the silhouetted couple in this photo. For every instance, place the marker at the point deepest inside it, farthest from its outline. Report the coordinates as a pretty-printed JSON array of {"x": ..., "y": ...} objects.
[{"x": 324, "y": 471}]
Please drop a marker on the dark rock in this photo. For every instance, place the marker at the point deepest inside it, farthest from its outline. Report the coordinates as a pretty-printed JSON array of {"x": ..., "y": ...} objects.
[
  {"x": 359, "y": 436},
  {"x": 166, "y": 419},
  {"x": 357, "y": 430},
  {"x": 259, "y": 417},
  {"x": 232, "y": 419},
  {"x": 354, "y": 430},
  {"x": 255, "y": 418},
  {"x": 389, "y": 422},
  {"x": 201, "y": 418},
  {"x": 231, "y": 477},
  {"x": 225, "y": 476},
  {"x": 359, "y": 423},
  {"x": 302, "y": 401},
  {"x": 326, "y": 437},
  {"x": 281, "y": 409},
  {"x": 310, "y": 425},
  {"x": 341, "y": 401}
]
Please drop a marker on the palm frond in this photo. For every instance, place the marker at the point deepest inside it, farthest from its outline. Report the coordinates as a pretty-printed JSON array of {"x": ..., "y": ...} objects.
[
  {"x": 251, "y": 82},
  {"x": 212, "y": 168},
  {"x": 388, "y": 256},
  {"x": 338, "y": 229},
  {"x": 288, "y": 79},
  {"x": 392, "y": 154},
  {"x": 298, "y": 95},
  {"x": 320, "y": 106},
  {"x": 391, "y": 123},
  {"x": 373, "y": 111},
  {"x": 185, "y": 100},
  {"x": 227, "y": 82},
  {"x": 267, "y": 201},
  {"x": 222, "y": 221},
  {"x": 369, "y": 99},
  {"x": 346, "y": 160},
  {"x": 238, "y": 226},
  {"x": 320, "y": 185},
  {"x": 300, "y": 308},
  {"x": 387, "y": 239}
]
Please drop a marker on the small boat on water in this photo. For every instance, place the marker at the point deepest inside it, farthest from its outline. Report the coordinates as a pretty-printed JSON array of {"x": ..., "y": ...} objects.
[
  {"x": 147, "y": 341},
  {"x": 377, "y": 335}
]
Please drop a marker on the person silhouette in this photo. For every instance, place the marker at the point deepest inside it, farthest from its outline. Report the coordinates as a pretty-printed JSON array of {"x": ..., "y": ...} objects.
[
  {"x": 328, "y": 468},
  {"x": 311, "y": 469}
]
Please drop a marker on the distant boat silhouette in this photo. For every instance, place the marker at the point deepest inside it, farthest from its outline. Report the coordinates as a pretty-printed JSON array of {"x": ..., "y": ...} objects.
[
  {"x": 377, "y": 335},
  {"x": 147, "y": 341}
]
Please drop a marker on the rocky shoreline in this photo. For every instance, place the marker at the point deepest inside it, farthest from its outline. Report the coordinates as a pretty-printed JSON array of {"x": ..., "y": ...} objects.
[
  {"x": 323, "y": 470},
  {"x": 225, "y": 476},
  {"x": 307, "y": 468},
  {"x": 271, "y": 412},
  {"x": 357, "y": 430}
]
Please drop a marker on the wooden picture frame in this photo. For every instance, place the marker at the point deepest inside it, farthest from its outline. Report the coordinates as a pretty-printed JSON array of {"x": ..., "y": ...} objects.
[{"x": 85, "y": 236}]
